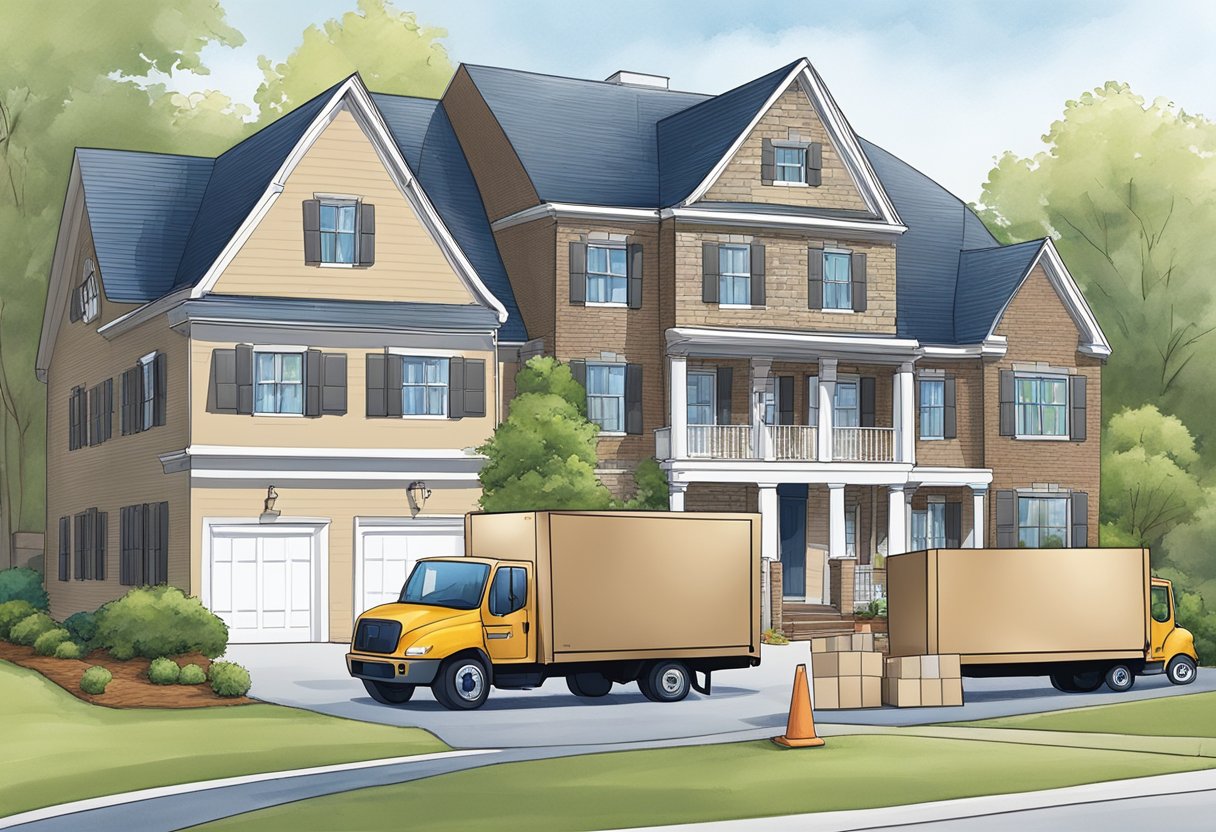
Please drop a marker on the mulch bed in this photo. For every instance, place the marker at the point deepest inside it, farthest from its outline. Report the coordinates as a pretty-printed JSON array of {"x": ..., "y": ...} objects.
[{"x": 130, "y": 687}]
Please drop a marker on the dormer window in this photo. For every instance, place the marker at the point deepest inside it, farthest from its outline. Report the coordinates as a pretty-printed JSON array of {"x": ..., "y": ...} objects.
[
  {"x": 791, "y": 164},
  {"x": 338, "y": 232},
  {"x": 86, "y": 302}
]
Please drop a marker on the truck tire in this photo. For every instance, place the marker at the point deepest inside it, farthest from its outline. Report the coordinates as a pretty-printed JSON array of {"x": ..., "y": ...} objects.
[
  {"x": 666, "y": 681},
  {"x": 387, "y": 694},
  {"x": 590, "y": 685},
  {"x": 1063, "y": 682},
  {"x": 462, "y": 684},
  {"x": 1088, "y": 681},
  {"x": 1120, "y": 678},
  {"x": 1180, "y": 670}
]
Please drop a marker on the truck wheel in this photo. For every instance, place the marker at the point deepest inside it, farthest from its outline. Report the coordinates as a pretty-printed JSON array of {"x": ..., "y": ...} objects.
[
  {"x": 1088, "y": 681},
  {"x": 1180, "y": 670},
  {"x": 462, "y": 684},
  {"x": 1120, "y": 678},
  {"x": 387, "y": 694},
  {"x": 1063, "y": 682},
  {"x": 590, "y": 685},
  {"x": 665, "y": 682}
]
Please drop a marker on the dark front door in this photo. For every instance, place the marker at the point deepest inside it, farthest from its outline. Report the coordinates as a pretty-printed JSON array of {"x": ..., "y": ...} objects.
[{"x": 792, "y": 529}]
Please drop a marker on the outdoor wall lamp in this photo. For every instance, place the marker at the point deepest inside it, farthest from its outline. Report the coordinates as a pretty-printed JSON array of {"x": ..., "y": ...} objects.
[
  {"x": 417, "y": 493},
  {"x": 268, "y": 511}
]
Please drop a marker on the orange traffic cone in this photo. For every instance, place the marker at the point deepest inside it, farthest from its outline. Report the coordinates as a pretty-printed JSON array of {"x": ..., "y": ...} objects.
[{"x": 800, "y": 730}]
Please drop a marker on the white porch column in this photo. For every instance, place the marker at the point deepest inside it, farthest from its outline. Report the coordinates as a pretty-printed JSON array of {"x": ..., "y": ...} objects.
[
  {"x": 760, "y": 368},
  {"x": 679, "y": 410},
  {"x": 978, "y": 493},
  {"x": 897, "y": 521},
  {"x": 836, "y": 539},
  {"x": 827, "y": 404},
  {"x": 769, "y": 513},
  {"x": 675, "y": 495},
  {"x": 905, "y": 418}
]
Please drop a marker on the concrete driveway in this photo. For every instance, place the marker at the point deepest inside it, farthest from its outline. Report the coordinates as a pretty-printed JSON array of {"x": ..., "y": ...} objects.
[{"x": 313, "y": 676}]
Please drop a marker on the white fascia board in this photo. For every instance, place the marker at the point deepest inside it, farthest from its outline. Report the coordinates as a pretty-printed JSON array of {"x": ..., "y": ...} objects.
[
  {"x": 58, "y": 283},
  {"x": 754, "y": 471},
  {"x": 328, "y": 453},
  {"x": 683, "y": 340},
  {"x": 569, "y": 210},
  {"x": 137, "y": 316},
  {"x": 993, "y": 346},
  {"x": 799, "y": 222},
  {"x": 951, "y": 477}
]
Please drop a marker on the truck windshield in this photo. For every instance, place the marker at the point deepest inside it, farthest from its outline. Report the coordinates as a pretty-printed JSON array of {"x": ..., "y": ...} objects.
[{"x": 444, "y": 583}]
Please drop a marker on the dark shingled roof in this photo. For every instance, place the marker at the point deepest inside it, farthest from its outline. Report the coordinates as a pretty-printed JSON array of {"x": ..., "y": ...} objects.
[{"x": 987, "y": 279}]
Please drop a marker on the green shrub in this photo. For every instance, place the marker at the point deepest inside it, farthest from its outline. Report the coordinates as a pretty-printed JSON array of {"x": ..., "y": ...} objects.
[
  {"x": 164, "y": 672},
  {"x": 11, "y": 612},
  {"x": 229, "y": 679},
  {"x": 159, "y": 621},
  {"x": 69, "y": 650},
  {"x": 82, "y": 626},
  {"x": 773, "y": 636},
  {"x": 47, "y": 643},
  {"x": 192, "y": 674},
  {"x": 95, "y": 679},
  {"x": 878, "y": 608},
  {"x": 27, "y": 630},
  {"x": 22, "y": 585}
]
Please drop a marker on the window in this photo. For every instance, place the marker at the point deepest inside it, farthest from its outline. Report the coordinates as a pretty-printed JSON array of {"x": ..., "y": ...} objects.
[
  {"x": 850, "y": 533},
  {"x": 144, "y": 394},
  {"x": 734, "y": 270},
  {"x": 338, "y": 232},
  {"x": 606, "y": 396},
  {"x": 87, "y": 299},
  {"x": 1159, "y": 598},
  {"x": 147, "y": 389},
  {"x": 932, "y": 408},
  {"x": 278, "y": 379},
  {"x": 790, "y": 164},
  {"x": 846, "y": 406},
  {"x": 929, "y": 527},
  {"x": 837, "y": 280},
  {"x": 144, "y": 539},
  {"x": 1042, "y": 405},
  {"x": 1042, "y": 522},
  {"x": 701, "y": 389},
  {"x": 424, "y": 386},
  {"x": 445, "y": 583},
  {"x": 607, "y": 274},
  {"x": 509, "y": 591}
]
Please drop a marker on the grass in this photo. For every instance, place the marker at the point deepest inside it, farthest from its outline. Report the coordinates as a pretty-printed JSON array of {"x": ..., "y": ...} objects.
[
  {"x": 1191, "y": 715},
  {"x": 708, "y": 783},
  {"x": 54, "y": 748}
]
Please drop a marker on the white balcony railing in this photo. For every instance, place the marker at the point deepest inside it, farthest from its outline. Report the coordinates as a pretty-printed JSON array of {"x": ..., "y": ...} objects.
[
  {"x": 721, "y": 442},
  {"x": 780, "y": 442},
  {"x": 863, "y": 444},
  {"x": 794, "y": 442}
]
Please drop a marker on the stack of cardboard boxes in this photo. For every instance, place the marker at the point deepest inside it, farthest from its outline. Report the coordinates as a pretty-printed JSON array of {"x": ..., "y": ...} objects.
[
  {"x": 923, "y": 682},
  {"x": 847, "y": 672}
]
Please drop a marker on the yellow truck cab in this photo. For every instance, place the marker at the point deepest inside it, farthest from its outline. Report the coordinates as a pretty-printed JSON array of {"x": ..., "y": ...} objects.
[
  {"x": 599, "y": 598},
  {"x": 1171, "y": 648}
]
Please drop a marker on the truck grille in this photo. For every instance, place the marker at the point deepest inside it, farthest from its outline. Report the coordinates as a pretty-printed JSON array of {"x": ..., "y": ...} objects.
[{"x": 376, "y": 636}]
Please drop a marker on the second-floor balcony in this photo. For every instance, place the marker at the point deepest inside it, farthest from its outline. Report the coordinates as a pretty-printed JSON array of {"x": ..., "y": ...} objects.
[{"x": 799, "y": 443}]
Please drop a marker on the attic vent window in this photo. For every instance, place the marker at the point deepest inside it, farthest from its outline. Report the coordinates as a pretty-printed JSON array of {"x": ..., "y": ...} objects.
[{"x": 85, "y": 300}]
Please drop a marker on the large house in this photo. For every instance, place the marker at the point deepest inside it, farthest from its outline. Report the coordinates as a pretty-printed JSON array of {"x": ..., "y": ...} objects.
[{"x": 304, "y": 340}]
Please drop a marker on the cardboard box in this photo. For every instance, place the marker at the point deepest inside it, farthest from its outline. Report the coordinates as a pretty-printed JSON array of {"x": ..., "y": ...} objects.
[
  {"x": 850, "y": 691},
  {"x": 951, "y": 668},
  {"x": 871, "y": 691},
  {"x": 871, "y": 664},
  {"x": 952, "y": 692},
  {"x": 862, "y": 641},
  {"x": 930, "y": 667},
  {"x": 903, "y": 667},
  {"x": 825, "y": 693},
  {"x": 931, "y": 693},
  {"x": 902, "y": 693},
  {"x": 847, "y": 664}
]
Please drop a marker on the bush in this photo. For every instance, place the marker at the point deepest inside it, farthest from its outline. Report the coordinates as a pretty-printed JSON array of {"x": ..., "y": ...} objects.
[
  {"x": 11, "y": 612},
  {"x": 69, "y": 650},
  {"x": 82, "y": 626},
  {"x": 192, "y": 674},
  {"x": 95, "y": 679},
  {"x": 878, "y": 608},
  {"x": 229, "y": 679},
  {"x": 47, "y": 643},
  {"x": 773, "y": 636},
  {"x": 27, "y": 630},
  {"x": 23, "y": 585},
  {"x": 164, "y": 671},
  {"x": 159, "y": 621}
]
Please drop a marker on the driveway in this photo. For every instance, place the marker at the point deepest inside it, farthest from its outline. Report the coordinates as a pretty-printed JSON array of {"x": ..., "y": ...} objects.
[{"x": 313, "y": 676}]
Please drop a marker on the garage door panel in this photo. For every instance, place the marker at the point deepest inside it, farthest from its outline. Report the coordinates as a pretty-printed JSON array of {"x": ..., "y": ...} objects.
[
  {"x": 388, "y": 554},
  {"x": 262, "y": 584}
]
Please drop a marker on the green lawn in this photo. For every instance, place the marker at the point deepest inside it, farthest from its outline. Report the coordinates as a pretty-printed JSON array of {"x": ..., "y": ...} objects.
[
  {"x": 1191, "y": 715},
  {"x": 706, "y": 783},
  {"x": 54, "y": 748}
]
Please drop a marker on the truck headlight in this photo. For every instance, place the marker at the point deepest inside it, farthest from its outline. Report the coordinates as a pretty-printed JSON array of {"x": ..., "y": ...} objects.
[{"x": 418, "y": 651}]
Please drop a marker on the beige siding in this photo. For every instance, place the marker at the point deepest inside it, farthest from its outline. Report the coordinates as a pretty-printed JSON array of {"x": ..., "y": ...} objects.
[{"x": 410, "y": 265}]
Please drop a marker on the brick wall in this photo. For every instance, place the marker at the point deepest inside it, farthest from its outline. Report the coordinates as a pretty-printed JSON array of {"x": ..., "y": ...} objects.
[
  {"x": 967, "y": 449},
  {"x": 529, "y": 253}
]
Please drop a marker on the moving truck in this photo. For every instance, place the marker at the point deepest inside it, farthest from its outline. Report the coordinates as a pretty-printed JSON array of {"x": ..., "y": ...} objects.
[
  {"x": 1080, "y": 616},
  {"x": 597, "y": 597}
]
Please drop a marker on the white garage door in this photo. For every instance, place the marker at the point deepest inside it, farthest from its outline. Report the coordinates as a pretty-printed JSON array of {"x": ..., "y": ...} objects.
[
  {"x": 263, "y": 583},
  {"x": 387, "y": 553}
]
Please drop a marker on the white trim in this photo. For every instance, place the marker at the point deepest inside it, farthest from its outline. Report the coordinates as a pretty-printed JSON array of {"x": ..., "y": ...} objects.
[
  {"x": 750, "y": 342},
  {"x": 132, "y": 319},
  {"x": 438, "y": 522},
  {"x": 330, "y": 453},
  {"x": 549, "y": 210},
  {"x": 717, "y": 216},
  {"x": 950, "y": 477},
  {"x": 993, "y": 346},
  {"x": 59, "y": 282}
]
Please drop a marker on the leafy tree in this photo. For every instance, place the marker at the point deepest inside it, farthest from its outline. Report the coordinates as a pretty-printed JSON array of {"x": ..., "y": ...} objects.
[{"x": 652, "y": 491}]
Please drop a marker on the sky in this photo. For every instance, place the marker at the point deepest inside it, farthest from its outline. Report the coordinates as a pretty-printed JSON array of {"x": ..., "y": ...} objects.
[{"x": 946, "y": 85}]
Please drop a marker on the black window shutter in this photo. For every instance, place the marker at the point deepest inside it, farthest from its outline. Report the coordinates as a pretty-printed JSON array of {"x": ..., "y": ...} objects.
[
  {"x": 954, "y": 525},
  {"x": 150, "y": 540},
  {"x": 312, "y": 231},
  {"x": 865, "y": 390},
  {"x": 333, "y": 384},
  {"x": 367, "y": 234},
  {"x": 95, "y": 415},
  {"x": 162, "y": 543},
  {"x": 456, "y": 388},
  {"x": 244, "y": 378},
  {"x": 474, "y": 387},
  {"x": 578, "y": 273},
  {"x": 814, "y": 278},
  {"x": 1080, "y": 520},
  {"x": 101, "y": 531},
  {"x": 74, "y": 311},
  {"x": 377, "y": 402},
  {"x": 124, "y": 546},
  {"x": 709, "y": 272},
  {"x": 312, "y": 383},
  {"x": 107, "y": 409},
  {"x": 785, "y": 400},
  {"x": 757, "y": 274},
  {"x": 1006, "y": 519},
  {"x": 125, "y": 407},
  {"x": 394, "y": 379},
  {"x": 724, "y": 379},
  {"x": 73, "y": 415},
  {"x": 634, "y": 270},
  {"x": 79, "y": 544},
  {"x": 814, "y": 164},
  {"x": 578, "y": 370},
  {"x": 633, "y": 399},
  {"x": 857, "y": 276},
  {"x": 949, "y": 411},
  {"x": 65, "y": 548},
  {"x": 768, "y": 162},
  {"x": 1076, "y": 401},
  {"x": 160, "y": 394},
  {"x": 1009, "y": 425},
  {"x": 223, "y": 395}
]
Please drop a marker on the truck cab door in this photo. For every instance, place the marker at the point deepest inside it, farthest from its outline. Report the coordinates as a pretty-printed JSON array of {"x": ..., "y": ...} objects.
[
  {"x": 1161, "y": 619},
  {"x": 508, "y": 612}
]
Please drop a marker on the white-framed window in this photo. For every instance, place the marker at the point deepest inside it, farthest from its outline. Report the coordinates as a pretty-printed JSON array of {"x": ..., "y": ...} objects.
[
  {"x": 607, "y": 274},
  {"x": 929, "y": 525},
  {"x": 424, "y": 386},
  {"x": 338, "y": 234},
  {"x": 735, "y": 276},
  {"x": 147, "y": 387},
  {"x": 846, "y": 402},
  {"x": 702, "y": 394},
  {"x": 850, "y": 532},
  {"x": 790, "y": 164},
  {"x": 772, "y": 401},
  {"x": 1042, "y": 522},
  {"x": 837, "y": 280},
  {"x": 1041, "y": 405},
  {"x": 278, "y": 383},
  {"x": 88, "y": 298},
  {"x": 606, "y": 396},
  {"x": 932, "y": 408}
]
